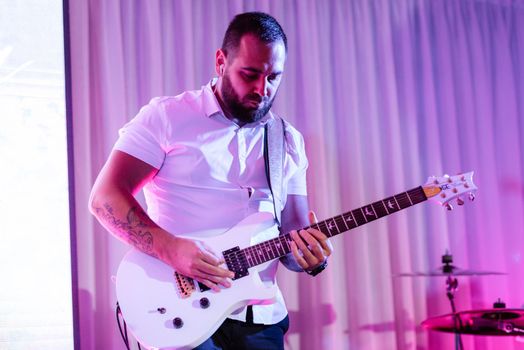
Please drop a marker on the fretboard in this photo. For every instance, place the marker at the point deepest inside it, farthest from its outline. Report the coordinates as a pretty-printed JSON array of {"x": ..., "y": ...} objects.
[{"x": 280, "y": 246}]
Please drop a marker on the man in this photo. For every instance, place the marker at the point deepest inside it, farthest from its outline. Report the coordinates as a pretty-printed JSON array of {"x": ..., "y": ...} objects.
[{"x": 200, "y": 158}]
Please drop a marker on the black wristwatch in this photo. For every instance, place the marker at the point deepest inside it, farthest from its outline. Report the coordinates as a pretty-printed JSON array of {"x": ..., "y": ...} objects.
[{"x": 317, "y": 269}]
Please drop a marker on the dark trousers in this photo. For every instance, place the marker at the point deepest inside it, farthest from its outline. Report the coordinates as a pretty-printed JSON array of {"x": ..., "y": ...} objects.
[{"x": 237, "y": 335}]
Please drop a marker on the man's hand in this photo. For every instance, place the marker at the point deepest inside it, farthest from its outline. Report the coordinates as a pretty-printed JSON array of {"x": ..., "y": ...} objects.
[
  {"x": 192, "y": 258},
  {"x": 310, "y": 247}
]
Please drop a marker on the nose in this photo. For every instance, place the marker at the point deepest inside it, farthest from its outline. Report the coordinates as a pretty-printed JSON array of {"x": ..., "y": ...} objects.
[{"x": 261, "y": 87}]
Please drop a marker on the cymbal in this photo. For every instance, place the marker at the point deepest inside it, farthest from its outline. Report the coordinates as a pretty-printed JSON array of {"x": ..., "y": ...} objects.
[
  {"x": 479, "y": 322},
  {"x": 449, "y": 270}
]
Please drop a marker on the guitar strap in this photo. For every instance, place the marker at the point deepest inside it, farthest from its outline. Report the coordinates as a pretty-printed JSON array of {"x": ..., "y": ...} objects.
[{"x": 274, "y": 142}]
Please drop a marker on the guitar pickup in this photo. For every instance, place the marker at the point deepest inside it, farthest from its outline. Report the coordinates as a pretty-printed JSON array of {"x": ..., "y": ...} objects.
[{"x": 236, "y": 261}]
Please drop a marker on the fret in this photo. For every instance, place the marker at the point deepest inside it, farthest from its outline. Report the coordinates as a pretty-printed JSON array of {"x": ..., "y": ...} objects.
[
  {"x": 398, "y": 206},
  {"x": 268, "y": 250},
  {"x": 265, "y": 251},
  {"x": 403, "y": 200},
  {"x": 253, "y": 256},
  {"x": 275, "y": 244},
  {"x": 273, "y": 249},
  {"x": 339, "y": 220},
  {"x": 380, "y": 210},
  {"x": 280, "y": 249},
  {"x": 287, "y": 240},
  {"x": 374, "y": 211},
  {"x": 327, "y": 226},
  {"x": 409, "y": 198},
  {"x": 330, "y": 225},
  {"x": 385, "y": 207},
  {"x": 260, "y": 254},
  {"x": 336, "y": 225},
  {"x": 359, "y": 217},
  {"x": 257, "y": 255},
  {"x": 364, "y": 215},
  {"x": 354, "y": 220},
  {"x": 371, "y": 214},
  {"x": 249, "y": 259},
  {"x": 346, "y": 221},
  {"x": 391, "y": 205}
]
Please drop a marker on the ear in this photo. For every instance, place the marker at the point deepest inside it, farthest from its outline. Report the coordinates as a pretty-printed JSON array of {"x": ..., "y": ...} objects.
[{"x": 220, "y": 62}]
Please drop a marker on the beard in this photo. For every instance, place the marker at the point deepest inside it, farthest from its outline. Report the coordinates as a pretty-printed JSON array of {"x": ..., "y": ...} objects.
[{"x": 236, "y": 105}]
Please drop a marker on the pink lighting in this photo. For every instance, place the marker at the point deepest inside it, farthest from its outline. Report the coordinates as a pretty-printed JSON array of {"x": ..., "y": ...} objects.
[{"x": 386, "y": 93}]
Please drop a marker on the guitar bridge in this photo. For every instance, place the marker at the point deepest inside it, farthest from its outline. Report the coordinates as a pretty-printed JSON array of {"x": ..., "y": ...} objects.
[{"x": 184, "y": 285}]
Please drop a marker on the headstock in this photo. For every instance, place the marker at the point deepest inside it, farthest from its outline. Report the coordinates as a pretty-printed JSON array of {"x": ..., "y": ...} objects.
[{"x": 446, "y": 188}]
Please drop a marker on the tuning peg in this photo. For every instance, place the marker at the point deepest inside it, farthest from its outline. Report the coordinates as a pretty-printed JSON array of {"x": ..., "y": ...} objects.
[
  {"x": 471, "y": 196},
  {"x": 460, "y": 201},
  {"x": 449, "y": 206}
]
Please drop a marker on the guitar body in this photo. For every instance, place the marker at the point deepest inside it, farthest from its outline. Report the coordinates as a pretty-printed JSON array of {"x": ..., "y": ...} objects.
[{"x": 147, "y": 292}]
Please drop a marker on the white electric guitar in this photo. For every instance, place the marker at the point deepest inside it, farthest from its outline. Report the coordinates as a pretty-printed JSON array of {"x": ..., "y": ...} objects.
[{"x": 166, "y": 310}]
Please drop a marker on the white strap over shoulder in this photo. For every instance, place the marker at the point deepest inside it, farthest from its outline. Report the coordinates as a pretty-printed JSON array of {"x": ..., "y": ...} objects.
[{"x": 274, "y": 156}]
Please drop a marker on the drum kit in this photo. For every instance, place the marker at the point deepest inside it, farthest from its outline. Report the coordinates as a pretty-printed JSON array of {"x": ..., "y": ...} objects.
[{"x": 496, "y": 321}]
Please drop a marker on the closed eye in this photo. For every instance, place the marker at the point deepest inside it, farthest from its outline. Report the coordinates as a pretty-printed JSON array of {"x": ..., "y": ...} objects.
[{"x": 249, "y": 77}]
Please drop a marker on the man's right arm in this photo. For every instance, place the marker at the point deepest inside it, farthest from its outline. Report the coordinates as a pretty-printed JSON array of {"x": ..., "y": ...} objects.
[{"x": 113, "y": 203}]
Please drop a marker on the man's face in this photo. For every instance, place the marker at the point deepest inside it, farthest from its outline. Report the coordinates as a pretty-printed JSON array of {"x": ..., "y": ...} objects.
[{"x": 251, "y": 78}]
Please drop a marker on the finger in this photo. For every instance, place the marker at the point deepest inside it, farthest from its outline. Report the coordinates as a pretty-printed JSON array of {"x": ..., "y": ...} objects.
[
  {"x": 211, "y": 285},
  {"x": 324, "y": 241},
  {"x": 209, "y": 257},
  {"x": 211, "y": 265},
  {"x": 219, "y": 257},
  {"x": 213, "y": 275},
  {"x": 212, "y": 270},
  {"x": 313, "y": 243},
  {"x": 298, "y": 257},
  {"x": 327, "y": 247},
  {"x": 312, "y": 217},
  {"x": 226, "y": 282},
  {"x": 311, "y": 252},
  {"x": 201, "y": 277},
  {"x": 299, "y": 241}
]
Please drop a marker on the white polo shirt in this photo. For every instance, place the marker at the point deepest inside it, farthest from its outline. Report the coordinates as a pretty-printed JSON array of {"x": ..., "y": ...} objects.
[{"x": 211, "y": 171}]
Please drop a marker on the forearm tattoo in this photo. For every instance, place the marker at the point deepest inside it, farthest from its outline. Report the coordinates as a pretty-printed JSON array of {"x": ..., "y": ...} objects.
[{"x": 135, "y": 230}]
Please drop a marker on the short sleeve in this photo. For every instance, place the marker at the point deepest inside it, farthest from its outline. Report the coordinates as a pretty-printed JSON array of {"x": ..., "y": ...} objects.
[
  {"x": 296, "y": 162},
  {"x": 144, "y": 136}
]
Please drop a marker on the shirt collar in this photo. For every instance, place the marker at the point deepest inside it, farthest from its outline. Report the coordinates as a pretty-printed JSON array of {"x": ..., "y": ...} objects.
[{"x": 212, "y": 107}]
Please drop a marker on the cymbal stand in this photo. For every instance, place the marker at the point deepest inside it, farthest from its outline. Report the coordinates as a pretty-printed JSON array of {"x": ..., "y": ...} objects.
[{"x": 451, "y": 288}]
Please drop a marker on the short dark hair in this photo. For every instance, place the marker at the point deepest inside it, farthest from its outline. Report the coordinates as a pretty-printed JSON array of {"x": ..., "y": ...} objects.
[{"x": 263, "y": 26}]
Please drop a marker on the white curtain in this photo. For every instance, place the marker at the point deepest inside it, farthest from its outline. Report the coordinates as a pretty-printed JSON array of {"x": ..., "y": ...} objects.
[{"x": 386, "y": 93}]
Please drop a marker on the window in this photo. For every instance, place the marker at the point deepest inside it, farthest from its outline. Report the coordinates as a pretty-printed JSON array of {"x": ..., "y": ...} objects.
[{"x": 35, "y": 292}]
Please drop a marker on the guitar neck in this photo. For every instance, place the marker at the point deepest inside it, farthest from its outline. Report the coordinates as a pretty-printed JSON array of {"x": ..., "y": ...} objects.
[{"x": 280, "y": 246}]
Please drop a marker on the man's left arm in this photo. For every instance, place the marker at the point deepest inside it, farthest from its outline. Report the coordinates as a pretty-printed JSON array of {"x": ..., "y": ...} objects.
[{"x": 310, "y": 248}]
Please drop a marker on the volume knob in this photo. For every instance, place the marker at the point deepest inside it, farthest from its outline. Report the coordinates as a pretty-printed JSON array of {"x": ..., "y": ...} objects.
[
  {"x": 204, "y": 303},
  {"x": 177, "y": 322}
]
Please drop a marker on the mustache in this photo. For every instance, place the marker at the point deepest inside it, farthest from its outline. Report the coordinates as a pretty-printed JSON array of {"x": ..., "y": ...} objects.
[{"x": 256, "y": 98}]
